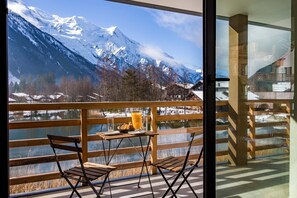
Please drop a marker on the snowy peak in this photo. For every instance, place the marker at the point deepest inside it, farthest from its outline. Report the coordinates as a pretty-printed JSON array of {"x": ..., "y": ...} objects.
[
  {"x": 33, "y": 15},
  {"x": 33, "y": 52},
  {"x": 95, "y": 43},
  {"x": 111, "y": 30},
  {"x": 67, "y": 26}
]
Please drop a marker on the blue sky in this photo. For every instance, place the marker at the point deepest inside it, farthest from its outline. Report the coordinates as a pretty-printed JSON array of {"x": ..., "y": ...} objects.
[{"x": 179, "y": 35}]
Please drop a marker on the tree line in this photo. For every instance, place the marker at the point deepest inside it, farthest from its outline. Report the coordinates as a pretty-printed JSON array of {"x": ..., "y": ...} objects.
[{"x": 132, "y": 84}]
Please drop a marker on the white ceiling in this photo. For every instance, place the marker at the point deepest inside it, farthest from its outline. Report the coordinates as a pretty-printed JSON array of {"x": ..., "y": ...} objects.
[
  {"x": 190, "y": 5},
  {"x": 271, "y": 12}
]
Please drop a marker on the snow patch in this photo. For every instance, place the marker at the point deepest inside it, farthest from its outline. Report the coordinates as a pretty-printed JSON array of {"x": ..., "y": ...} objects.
[
  {"x": 111, "y": 30},
  {"x": 12, "y": 78}
]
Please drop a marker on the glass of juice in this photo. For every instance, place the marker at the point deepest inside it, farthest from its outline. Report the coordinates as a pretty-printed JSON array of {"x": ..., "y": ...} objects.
[{"x": 137, "y": 120}]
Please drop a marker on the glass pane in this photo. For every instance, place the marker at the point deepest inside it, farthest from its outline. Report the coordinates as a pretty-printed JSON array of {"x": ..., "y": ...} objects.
[
  {"x": 106, "y": 53},
  {"x": 253, "y": 126}
]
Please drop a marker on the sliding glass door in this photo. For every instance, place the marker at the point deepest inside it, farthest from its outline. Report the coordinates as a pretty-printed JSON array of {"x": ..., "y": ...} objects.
[{"x": 255, "y": 121}]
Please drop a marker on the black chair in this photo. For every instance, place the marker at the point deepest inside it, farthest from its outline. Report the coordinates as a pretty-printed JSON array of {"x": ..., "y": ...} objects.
[
  {"x": 84, "y": 172},
  {"x": 180, "y": 166}
]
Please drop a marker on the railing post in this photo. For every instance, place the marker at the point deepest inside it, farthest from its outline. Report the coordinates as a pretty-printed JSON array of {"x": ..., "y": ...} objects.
[
  {"x": 154, "y": 140},
  {"x": 252, "y": 126},
  {"x": 288, "y": 110},
  {"x": 84, "y": 133}
]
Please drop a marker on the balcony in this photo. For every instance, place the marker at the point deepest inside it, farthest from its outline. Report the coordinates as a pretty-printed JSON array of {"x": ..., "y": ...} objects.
[{"x": 268, "y": 147}]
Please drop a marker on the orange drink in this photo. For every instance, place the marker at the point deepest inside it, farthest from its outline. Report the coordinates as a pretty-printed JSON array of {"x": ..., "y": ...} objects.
[{"x": 137, "y": 120}]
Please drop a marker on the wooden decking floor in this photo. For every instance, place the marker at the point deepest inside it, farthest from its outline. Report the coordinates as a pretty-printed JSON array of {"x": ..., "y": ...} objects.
[{"x": 266, "y": 178}]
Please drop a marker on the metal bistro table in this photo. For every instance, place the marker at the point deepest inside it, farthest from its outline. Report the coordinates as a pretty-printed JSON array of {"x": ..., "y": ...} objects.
[{"x": 121, "y": 136}]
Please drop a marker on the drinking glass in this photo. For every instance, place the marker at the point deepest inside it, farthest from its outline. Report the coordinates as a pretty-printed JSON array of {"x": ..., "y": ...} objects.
[
  {"x": 145, "y": 122},
  {"x": 110, "y": 124},
  {"x": 137, "y": 120}
]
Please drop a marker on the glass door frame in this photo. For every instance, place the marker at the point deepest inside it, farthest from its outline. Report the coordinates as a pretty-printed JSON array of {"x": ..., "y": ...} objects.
[
  {"x": 209, "y": 25},
  {"x": 4, "y": 136},
  {"x": 209, "y": 114}
]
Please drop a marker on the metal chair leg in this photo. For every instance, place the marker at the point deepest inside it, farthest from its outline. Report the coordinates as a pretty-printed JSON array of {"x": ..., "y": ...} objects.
[
  {"x": 190, "y": 187},
  {"x": 185, "y": 180},
  {"x": 169, "y": 185},
  {"x": 73, "y": 188},
  {"x": 109, "y": 186},
  {"x": 103, "y": 183},
  {"x": 93, "y": 188}
]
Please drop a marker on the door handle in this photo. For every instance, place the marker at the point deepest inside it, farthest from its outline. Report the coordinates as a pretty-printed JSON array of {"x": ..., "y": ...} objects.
[
  {"x": 221, "y": 79},
  {"x": 212, "y": 80}
]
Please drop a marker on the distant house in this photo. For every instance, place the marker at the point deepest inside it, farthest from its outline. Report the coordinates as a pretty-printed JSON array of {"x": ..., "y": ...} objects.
[
  {"x": 98, "y": 97},
  {"x": 178, "y": 91},
  {"x": 79, "y": 98},
  {"x": 274, "y": 79},
  {"x": 90, "y": 98},
  {"x": 58, "y": 97},
  {"x": 38, "y": 98},
  {"x": 222, "y": 85},
  {"x": 20, "y": 97},
  {"x": 198, "y": 86},
  {"x": 220, "y": 95},
  {"x": 10, "y": 100},
  {"x": 195, "y": 95}
]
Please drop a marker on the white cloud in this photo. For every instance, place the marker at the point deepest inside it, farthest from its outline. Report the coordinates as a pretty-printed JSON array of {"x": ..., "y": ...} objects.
[
  {"x": 156, "y": 53},
  {"x": 186, "y": 26}
]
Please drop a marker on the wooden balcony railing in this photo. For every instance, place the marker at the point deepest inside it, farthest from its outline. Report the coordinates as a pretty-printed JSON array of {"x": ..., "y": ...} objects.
[{"x": 85, "y": 120}]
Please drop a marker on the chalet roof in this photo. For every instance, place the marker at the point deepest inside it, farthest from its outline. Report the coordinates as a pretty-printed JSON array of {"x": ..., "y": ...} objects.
[
  {"x": 199, "y": 94},
  {"x": 37, "y": 97},
  {"x": 11, "y": 100},
  {"x": 98, "y": 95},
  {"x": 197, "y": 84},
  {"x": 91, "y": 97},
  {"x": 185, "y": 85},
  {"x": 20, "y": 95},
  {"x": 54, "y": 96},
  {"x": 252, "y": 96}
]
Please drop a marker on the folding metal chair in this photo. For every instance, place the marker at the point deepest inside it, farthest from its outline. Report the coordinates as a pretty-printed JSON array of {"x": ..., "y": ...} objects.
[
  {"x": 82, "y": 173},
  {"x": 180, "y": 166}
]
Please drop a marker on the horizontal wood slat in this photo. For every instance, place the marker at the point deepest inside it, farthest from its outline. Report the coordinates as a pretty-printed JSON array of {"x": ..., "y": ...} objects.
[
  {"x": 34, "y": 178},
  {"x": 40, "y": 159},
  {"x": 269, "y": 124},
  {"x": 273, "y": 146},
  {"x": 43, "y": 124},
  {"x": 31, "y": 142},
  {"x": 272, "y": 135},
  {"x": 56, "y": 175},
  {"x": 179, "y": 117}
]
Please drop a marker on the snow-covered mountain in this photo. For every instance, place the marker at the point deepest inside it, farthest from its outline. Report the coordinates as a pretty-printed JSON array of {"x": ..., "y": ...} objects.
[
  {"x": 33, "y": 52},
  {"x": 95, "y": 44}
]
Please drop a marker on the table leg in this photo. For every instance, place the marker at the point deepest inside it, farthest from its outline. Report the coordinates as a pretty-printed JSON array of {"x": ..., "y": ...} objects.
[
  {"x": 144, "y": 154},
  {"x": 109, "y": 155}
]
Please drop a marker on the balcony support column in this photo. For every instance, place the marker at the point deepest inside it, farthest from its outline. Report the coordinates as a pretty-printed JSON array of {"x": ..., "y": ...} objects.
[{"x": 238, "y": 59}]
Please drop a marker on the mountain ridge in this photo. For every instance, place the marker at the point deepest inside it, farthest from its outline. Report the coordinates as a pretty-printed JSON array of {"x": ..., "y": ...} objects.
[{"x": 95, "y": 43}]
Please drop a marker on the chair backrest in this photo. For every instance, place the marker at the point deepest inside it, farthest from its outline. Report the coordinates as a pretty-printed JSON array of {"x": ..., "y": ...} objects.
[
  {"x": 196, "y": 140},
  {"x": 67, "y": 144}
]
